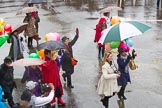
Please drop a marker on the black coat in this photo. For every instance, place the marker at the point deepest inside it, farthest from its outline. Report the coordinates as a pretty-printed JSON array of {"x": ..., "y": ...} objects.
[
  {"x": 6, "y": 77},
  {"x": 66, "y": 60}
]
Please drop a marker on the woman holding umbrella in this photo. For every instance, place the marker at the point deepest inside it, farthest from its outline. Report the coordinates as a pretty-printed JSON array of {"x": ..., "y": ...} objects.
[
  {"x": 99, "y": 28},
  {"x": 31, "y": 28},
  {"x": 17, "y": 48},
  {"x": 123, "y": 61}
]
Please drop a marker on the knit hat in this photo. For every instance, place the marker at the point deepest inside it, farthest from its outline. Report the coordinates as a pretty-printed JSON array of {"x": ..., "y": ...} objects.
[
  {"x": 64, "y": 38},
  {"x": 7, "y": 59}
]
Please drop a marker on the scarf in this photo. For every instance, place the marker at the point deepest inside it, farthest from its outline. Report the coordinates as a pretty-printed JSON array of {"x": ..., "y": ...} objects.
[
  {"x": 17, "y": 45},
  {"x": 127, "y": 67}
]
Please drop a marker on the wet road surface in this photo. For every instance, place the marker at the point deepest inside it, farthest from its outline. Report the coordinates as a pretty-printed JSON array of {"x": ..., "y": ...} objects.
[{"x": 145, "y": 91}]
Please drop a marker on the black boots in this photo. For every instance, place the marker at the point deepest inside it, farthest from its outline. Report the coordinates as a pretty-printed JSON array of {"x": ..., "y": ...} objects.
[
  {"x": 121, "y": 93},
  {"x": 121, "y": 96},
  {"x": 105, "y": 101}
]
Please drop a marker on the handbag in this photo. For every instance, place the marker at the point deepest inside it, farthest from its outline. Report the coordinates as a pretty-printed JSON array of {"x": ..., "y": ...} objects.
[
  {"x": 74, "y": 61},
  {"x": 132, "y": 65}
]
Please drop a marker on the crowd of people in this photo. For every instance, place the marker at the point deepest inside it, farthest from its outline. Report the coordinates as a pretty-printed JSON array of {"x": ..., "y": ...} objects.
[
  {"x": 36, "y": 77},
  {"x": 114, "y": 78},
  {"x": 43, "y": 86}
]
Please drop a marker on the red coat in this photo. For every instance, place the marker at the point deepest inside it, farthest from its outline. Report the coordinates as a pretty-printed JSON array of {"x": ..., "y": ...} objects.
[
  {"x": 50, "y": 73},
  {"x": 99, "y": 30}
]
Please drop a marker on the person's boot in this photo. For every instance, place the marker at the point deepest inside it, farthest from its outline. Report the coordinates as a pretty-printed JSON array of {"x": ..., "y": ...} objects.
[
  {"x": 119, "y": 95},
  {"x": 60, "y": 102},
  {"x": 124, "y": 97},
  {"x": 70, "y": 86},
  {"x": 103, "y": 102}
]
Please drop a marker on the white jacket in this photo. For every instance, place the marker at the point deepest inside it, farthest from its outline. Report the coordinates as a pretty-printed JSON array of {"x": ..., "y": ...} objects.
[
  {"x": 107, "y": 84},
  {"x": 38, "y": 102}
]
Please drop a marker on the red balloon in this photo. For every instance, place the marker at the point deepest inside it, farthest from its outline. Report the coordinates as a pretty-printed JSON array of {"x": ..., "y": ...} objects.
[{"x": 8, "y": 28}]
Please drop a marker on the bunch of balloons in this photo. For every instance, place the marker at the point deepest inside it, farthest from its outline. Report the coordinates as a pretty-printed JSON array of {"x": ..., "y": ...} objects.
[
  {"x": 126, "y": 44},
  {"x": 52, "y": 37},
  {"x": 49, "y": 37},
  {"x": 4, "y": 30}
]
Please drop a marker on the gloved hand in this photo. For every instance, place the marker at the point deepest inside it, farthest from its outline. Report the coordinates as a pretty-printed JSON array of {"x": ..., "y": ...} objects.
[
  {"x": 129, "y": 57},
  {"x": 134, "y": 54},
  {"x": 77, "y": 32}
]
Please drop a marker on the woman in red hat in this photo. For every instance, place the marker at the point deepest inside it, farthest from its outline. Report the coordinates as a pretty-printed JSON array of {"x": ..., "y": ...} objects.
[{"x": 99, "y": 28}]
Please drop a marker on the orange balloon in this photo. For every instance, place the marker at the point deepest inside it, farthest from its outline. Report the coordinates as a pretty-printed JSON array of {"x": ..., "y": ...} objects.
[
  {"x": 115, "y": 20},
  {"x": 41, "y": 53}
]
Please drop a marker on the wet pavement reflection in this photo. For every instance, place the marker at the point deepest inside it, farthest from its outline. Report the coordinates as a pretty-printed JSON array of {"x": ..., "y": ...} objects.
[{"x": 64, "y": 16}]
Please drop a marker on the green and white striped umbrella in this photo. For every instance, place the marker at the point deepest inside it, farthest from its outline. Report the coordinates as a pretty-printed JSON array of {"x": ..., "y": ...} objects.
[{"x": 123, "y": 31}]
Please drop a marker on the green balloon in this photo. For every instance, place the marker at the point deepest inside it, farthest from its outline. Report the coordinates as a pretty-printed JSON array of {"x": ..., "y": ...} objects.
[
  {"x": 3, "y": 39},
  {"x": 34, "y": 55},
  {"x": 114, "y": 44}
]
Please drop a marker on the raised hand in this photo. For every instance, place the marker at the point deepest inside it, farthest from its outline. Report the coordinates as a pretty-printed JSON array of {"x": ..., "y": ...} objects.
[{"x": 77, "y": 31}]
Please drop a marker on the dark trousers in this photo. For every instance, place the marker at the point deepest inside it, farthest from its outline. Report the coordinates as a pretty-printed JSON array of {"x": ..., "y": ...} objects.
[
  {"x": 30, "y": 41},
  {"x": 105, "y": 101},
  {"x": 158, "y": 2},
  {"x": 101, "y": 51},
  {"x": 8, "y": 95},
  {"x": 68, "y": 76},
  {"x": 122, "y": 91}
]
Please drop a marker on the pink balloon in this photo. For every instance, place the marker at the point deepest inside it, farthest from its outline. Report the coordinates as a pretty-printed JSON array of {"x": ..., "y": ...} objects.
[
  {"x": 50, "y": 37},
  {"x": 57, "y": 35},
  {"x": 53, "y": 37},
  {"x": 107, "y": 47},
  {"x": 124, "y": 46}
]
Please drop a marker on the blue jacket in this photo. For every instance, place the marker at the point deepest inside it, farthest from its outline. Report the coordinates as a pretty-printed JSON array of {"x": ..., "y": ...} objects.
[
  {"x": 2, "y": 104},
  {"x": 124, "y": 77}
]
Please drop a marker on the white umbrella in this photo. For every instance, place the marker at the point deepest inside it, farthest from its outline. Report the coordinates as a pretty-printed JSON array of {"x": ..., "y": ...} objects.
[
  {"x": 28, "y": 62},
  {"x": 123, "y": 31},
  {"x": 26, "y": 10},
  {"x": 110, "y": 9}
]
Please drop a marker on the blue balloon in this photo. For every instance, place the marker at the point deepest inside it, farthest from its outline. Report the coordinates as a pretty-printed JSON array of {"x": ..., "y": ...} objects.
[{"x": 129, "y": 43}]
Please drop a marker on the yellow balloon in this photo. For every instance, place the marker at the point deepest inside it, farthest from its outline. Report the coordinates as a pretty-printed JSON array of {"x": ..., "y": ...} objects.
[
  {"x": 1, "y": 28},
  {"x": 115, "y": 20},
  {"x": 2, "y": 22},
  {"x": 45, "y": 38}
]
